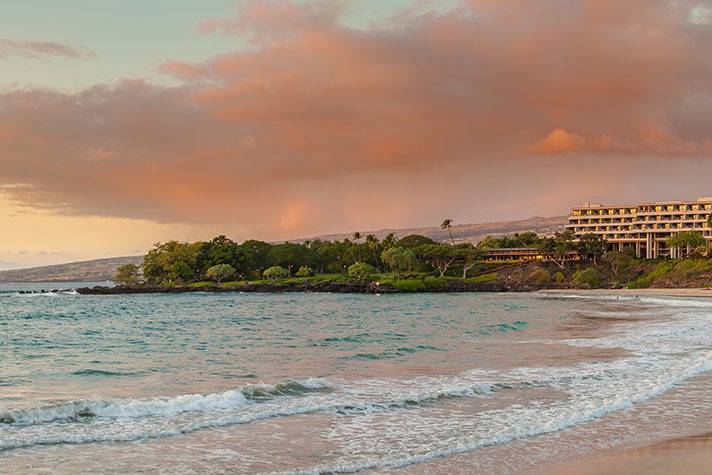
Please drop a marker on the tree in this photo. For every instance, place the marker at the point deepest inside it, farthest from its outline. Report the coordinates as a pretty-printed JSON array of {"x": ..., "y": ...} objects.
[
  {"x": 357, "y": 250},
  {"x": 619, "y": 261},
  {"x": 447, "y": 224},
  {"x": 375, "y": 247},
  {"x": 275, "y": 272},
  {"x": 470, "y": 256},
  {"x": 399, "y": 259},
  {"x": 389, "y": 241},
  {"x": 253, "y": 256},
  {"x": 525, "y": 239},
  {"x": 591, "y": 245},
  {"x": 220, "y": 272},
  {"x": 289, "y": 256},
  {"x": 560, "y": 247},
  {"x": 305, "y": 271},
  {"x": 173, "y": 262},
  {"x": 221, "y": 250},
  {"x": 127, "y": 274},
  {"x": 489, "y": 242},
  {"x": 692, "y": 241},
  {"x": 361, "y": 270},
  {"x": 586, "y": 278},
  {"x": 439, "y": 256},
  {"x": 413, "y": 241}
]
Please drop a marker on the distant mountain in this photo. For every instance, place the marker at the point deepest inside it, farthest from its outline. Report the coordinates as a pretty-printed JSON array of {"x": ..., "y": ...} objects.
[
  {"x": 99, "y": 270},
  {"x": 467, "y": 232}
]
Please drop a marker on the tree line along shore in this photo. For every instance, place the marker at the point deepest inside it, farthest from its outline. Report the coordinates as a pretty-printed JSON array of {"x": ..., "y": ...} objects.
[{"x": 413, "y": 263}]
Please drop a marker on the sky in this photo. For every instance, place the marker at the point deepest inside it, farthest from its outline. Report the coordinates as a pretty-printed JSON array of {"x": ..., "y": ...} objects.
[{"x": 127, "y": 123}]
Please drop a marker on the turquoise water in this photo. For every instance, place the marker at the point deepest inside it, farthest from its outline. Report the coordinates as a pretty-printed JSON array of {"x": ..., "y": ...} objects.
[{"x": 319, "y": 383}]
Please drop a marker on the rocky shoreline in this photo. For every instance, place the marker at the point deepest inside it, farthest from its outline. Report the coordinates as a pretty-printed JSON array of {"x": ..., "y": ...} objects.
[{"x": 330, "y": 287}]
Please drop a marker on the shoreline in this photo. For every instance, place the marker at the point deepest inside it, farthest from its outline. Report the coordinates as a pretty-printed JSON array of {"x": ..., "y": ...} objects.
[
  {"x": 374, "y": 288},
  {"x": 656, "y": 292},
  {"x": 347, "y": 287}
]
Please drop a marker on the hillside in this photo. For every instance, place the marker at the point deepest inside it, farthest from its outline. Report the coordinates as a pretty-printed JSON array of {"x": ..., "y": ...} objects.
[
  {"x": 97, "y": 270},
  {"x": 467, "y": 232},
  {"x": 103, "y": 269}
]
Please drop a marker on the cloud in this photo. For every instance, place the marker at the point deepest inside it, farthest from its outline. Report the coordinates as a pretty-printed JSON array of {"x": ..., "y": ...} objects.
[
  {"x": 317, "y": 126},
  {"x": 39, "y": 49}
]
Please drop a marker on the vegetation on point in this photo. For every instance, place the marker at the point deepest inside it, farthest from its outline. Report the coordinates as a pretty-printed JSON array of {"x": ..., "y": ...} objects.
[{"x": 413, "y": 263}]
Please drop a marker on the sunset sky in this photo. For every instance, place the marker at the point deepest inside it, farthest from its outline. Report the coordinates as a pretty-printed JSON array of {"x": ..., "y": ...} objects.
[{"x": 126, "y": 123}]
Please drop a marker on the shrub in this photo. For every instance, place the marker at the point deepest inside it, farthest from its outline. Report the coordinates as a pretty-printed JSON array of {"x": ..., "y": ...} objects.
[
  {"x": 220, "y": 272},
  {"x": 275, "y": 272},
  {"x": 559, "y": 277},
  {"x": 587, "y": 278},
  {"x": 540, "y": 276},
  {"x": 409, "y": 285},
  {"x": 361, "y": 271},
  {"x": 305, "y": 271},
  {"x": 434, "y": 283},
  {"x": 645, "y": 281}
]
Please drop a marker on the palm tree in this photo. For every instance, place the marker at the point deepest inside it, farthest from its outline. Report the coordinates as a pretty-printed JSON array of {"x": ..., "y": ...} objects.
[
  {"x": 373, "y": 245},
  {"x": 447, "y": 224},
  {"x": 357, "y": 238},
  {"x": 389, "y": 241}
]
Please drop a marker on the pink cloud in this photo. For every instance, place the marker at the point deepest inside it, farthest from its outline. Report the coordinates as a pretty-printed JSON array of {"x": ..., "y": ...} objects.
[{"x": 316, "y": 122}]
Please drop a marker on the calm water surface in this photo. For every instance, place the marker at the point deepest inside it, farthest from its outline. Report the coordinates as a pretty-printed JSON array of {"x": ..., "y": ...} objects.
[{"x": 324, "y": 383}]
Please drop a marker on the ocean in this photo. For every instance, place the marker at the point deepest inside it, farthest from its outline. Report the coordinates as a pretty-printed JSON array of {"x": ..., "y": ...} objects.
[{"x": 336, "y": 383}]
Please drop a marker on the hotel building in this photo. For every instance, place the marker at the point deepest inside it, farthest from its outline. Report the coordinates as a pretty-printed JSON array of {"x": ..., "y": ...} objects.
[{"x": 645, "y": 227}]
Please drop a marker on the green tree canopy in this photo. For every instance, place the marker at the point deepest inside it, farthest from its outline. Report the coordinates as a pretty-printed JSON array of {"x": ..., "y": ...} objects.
[
  {"x": 275, "y": 272},
  {"x": 412, "y": 241},
  {"x": 305, "y": 271},
  {"x": 439, "y": 256},
  {"x": 591, "y": 246},
  {"x": 399, "y": 259},
  {"x": 220, "y": 272},
  {"x": 691, "y": 241},
  {"x": 127, "y": 274},
  {"x": 618, "y": 261},
  {"x": 361, "y": 270}
]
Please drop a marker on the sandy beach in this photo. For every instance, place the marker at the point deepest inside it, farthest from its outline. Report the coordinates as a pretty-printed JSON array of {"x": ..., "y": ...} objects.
[{"x": 683, "y": 456}]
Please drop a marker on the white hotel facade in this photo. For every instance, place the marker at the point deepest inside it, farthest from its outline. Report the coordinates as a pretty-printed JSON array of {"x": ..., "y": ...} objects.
[{"x": 644, "y": 227}]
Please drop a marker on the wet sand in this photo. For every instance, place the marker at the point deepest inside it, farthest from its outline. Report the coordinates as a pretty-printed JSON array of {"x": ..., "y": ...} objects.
[
  {"x": 683, "y": 456},
  {"x": 699, "y": 292}
]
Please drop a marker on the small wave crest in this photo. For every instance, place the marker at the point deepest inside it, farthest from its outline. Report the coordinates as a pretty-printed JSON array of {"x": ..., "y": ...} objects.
[
  {"x": 221, "y": 409},
  {"x": 662, "y": 300},
  {"x": 159, "y": 406}
]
